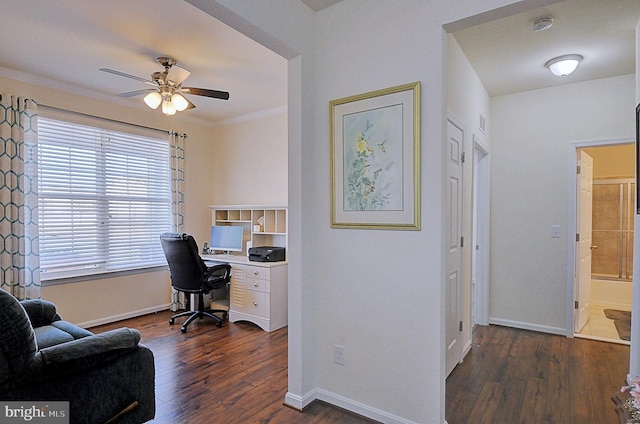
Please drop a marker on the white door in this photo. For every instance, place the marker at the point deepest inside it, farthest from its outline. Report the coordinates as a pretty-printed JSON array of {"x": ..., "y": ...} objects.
[
  {"x": 454, "y": 244},
  {"x": 584, "y": 198}
]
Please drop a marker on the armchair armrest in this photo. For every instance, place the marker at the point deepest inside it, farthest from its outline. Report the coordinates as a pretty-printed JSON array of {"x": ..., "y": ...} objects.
[
  {"x": 83, "y": 354},
  {"x": 40, "y": 312}
]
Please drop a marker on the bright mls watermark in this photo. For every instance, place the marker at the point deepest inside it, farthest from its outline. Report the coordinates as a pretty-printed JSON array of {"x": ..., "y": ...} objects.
[{"x": 34, "y": 412}]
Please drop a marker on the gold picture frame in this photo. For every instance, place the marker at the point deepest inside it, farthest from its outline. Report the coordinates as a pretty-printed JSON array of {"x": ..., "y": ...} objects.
[{"x": 375, "y": 159}]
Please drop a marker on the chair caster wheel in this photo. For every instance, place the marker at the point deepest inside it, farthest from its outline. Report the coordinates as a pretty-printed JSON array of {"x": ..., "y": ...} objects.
[
  {"x": 218, "y": 324},
  {"x": 183, "y": 330},
  {"x": 171, "y": 321}
]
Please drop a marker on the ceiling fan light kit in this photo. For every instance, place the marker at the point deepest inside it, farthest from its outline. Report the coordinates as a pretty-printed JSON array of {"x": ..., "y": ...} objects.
[
  {"x": 564, "y": 65},
  {"x": 153, "y": 99},
  {"x": 168, "y": 88}
]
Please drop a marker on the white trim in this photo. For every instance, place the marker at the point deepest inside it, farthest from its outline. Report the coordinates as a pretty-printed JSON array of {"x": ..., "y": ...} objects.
[
  {"x": 280, "y": 110},
  {"x": 528, "y": 326},
  {"x": 360, "y": 408},
  {"x": 481, "y": 232},
  {"x": 299, "y": 403},
  {"x": 602, "y": 339},
  {"x": 120, "y": 317}
]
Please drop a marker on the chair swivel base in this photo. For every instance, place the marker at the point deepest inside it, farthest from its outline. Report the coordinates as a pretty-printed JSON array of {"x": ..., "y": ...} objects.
[{"x": 199, "y": 314}]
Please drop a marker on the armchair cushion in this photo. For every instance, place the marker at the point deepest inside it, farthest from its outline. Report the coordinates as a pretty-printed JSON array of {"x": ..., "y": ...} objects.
[
  {"x": 40, "y": 312},
  {"x": 59, "y": 332}
]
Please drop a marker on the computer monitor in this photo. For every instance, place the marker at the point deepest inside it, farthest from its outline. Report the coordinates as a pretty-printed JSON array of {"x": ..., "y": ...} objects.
[{"x": 226, "y": 237}]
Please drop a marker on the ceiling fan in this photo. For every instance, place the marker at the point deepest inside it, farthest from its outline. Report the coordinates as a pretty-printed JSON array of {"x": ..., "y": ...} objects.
[{"x": 167, "y": 88}]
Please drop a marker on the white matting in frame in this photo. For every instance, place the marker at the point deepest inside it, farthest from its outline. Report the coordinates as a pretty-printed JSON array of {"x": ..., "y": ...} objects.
[{"x": 375, "y": 159}]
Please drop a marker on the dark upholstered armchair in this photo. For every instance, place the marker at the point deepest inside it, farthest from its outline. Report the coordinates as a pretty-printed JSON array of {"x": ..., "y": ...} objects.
[
  {"x": 189, "y": 274},
  {"x": 43, "y": 358}
]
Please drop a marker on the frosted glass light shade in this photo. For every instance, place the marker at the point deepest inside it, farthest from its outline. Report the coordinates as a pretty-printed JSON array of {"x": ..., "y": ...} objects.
[
  {"x": 564, "y": 65},
  {"x": 168, "y": 108},
  {"x": 153, "y": 100},
  {"x": 179, "y": 102}
]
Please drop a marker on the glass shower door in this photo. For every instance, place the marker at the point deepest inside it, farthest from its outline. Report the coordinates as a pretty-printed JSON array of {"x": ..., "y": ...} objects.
[{"x": 613, "y": 213}]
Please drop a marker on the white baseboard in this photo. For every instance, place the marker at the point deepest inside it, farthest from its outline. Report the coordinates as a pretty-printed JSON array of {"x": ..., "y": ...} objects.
[
  {"x": 299, "y": 402},
  {"x": 528, "y": 326},
  {"x": 120, "y": 317}
]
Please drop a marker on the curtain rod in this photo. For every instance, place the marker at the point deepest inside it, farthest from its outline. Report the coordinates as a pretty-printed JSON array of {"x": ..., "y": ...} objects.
[{"x": 170, "y": 132}]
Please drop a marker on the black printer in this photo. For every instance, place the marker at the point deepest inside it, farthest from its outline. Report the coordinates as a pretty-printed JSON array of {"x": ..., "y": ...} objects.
[{"x": 266, "y": 254}]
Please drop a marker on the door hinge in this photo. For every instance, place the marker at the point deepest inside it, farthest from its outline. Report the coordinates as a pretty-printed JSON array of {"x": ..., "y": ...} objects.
[
  {"x": 464, "y": 157},
  {"x": 578, "y": 169},
  {"x": 577, "y": 236},
  {"x": 462, "y": 241},
  {"x": 460, "y": 326},
  {"x": 576, "y": 304}
]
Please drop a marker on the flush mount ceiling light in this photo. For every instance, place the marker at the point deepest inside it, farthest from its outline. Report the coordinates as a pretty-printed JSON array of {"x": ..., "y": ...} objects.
[{"x": 564, "y": 65}]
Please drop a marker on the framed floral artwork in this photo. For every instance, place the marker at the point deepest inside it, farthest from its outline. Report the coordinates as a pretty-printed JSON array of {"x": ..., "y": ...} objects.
[{"x": 375, "y": 159}]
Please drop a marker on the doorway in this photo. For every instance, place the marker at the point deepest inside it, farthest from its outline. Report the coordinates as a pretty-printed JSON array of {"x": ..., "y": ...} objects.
[{"x": 613, "y": 198}]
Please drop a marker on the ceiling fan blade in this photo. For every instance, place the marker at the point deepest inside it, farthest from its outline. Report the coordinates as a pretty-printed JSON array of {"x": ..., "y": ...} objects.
[
  {"x": 224, "y": 95},
  {"x": 177, "y": 74},
  {"x": 137, "y": 92},
  {"x": 191, "y": 105},
  {"x": 122, "y": 74}
]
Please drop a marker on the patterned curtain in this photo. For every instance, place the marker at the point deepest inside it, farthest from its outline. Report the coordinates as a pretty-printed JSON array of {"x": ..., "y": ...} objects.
[
  {"x": 19, "y": 250},
  {"x": 178, "y": 299}
]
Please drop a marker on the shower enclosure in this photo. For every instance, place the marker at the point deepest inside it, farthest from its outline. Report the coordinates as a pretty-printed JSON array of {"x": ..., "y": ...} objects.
[{"x": 613, "y": 213}]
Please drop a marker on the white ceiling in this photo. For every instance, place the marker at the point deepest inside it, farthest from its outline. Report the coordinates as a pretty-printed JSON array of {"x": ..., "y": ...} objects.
[
  {"x": 509, "y": 56},
  {"x": 64, "y": 43},
  {"x": 67, "y": 41},
  {"x": 318, "y": 5}
]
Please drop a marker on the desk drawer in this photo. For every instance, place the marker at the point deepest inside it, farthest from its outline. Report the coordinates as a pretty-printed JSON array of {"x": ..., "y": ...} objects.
[
  {"x": 256, "y": 303},
  {"x": 258, "y": 272},
  {"x": 258, "y": 285}
]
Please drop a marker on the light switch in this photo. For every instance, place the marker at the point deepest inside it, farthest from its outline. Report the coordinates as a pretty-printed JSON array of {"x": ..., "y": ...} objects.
[{"x": 555, "y": 231}]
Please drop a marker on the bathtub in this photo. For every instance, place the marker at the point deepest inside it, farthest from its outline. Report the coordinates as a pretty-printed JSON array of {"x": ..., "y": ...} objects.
[{"x": 611, "y": 293}]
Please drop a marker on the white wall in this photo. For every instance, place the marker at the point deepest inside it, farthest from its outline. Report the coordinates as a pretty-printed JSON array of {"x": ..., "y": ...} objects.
[
  {"x": 249, "y": 165},
  {"x": 531, "y": 142}
]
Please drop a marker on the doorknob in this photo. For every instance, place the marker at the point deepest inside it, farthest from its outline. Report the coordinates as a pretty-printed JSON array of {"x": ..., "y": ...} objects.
[{"x": 593, "y": 247}]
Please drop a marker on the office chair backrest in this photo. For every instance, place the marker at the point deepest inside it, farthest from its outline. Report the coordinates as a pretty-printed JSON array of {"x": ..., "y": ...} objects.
[{"x": 185, "y": 264}]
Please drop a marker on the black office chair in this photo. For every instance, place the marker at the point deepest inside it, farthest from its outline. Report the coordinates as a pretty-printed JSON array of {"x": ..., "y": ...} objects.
[{"x": 189, "y": 274}]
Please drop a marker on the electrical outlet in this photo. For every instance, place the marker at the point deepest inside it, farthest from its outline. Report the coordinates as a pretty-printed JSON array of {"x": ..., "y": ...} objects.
[{"x": 338, "y": 354}]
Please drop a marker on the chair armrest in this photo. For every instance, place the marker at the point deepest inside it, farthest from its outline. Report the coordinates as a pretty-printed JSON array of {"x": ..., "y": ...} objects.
[
  {"x": 217, "y": 276},
  {"x": 83, "y": 354},
  {"x": 40, "y": 312}
]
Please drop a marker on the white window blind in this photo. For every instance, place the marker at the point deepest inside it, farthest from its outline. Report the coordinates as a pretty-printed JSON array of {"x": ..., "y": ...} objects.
[{"x": 104, "y": 199}]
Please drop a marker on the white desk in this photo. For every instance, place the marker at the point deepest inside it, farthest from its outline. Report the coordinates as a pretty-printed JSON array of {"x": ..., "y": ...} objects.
[{"x": 258, "y": 291}]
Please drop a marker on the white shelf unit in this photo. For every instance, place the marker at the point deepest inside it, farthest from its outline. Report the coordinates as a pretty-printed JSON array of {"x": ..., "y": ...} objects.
[{"x": 272, "y": 231}]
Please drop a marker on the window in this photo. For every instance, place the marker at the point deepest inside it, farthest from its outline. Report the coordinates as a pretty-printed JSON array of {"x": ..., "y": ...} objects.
[{"x": 104, "y": 198}]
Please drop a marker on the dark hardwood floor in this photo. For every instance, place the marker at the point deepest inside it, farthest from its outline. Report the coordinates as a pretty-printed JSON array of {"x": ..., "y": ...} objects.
[
  {"x": 518, "y": 376},
  {"x": 233, "y": 374},
  {"x": 238, "y": 374}
]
